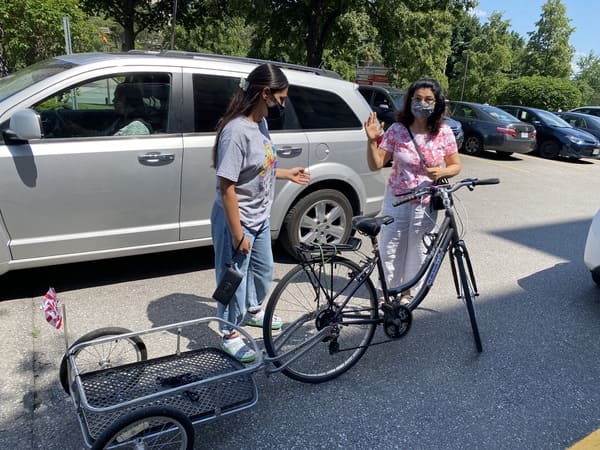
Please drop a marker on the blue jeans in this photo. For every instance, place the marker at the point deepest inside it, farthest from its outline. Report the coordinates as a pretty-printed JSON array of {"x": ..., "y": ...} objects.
[{"x": 256, "y": 267}]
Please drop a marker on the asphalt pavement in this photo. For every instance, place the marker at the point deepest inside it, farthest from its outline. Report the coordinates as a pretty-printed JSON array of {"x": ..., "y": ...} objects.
[{"x": 534, "y": 386}]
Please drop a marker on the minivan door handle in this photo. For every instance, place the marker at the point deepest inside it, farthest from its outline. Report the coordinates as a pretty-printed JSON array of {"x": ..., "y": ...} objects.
[
  {"x": 287, "y": 151},
  {"x": 156, "y": 158}
]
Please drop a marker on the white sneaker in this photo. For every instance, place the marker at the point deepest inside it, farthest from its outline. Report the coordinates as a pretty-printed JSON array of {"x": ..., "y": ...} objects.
[
  {"x": 256, "y": 320},
  {"x": 237, "y": 348}
]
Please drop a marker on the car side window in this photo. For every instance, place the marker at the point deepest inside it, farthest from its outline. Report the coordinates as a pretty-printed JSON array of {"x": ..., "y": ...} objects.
[
  {"x": 577, "y": 122},
  {"x": 525, "y": 116},
  {"x": 211, "y": 97},
  {"x": 118, "y": 105},
  {"x": 317, "y": 109},
  {"x": 465, "y": 111},
  {"x": 381, "y": 99},
  {"x": 366, "y": 94}
]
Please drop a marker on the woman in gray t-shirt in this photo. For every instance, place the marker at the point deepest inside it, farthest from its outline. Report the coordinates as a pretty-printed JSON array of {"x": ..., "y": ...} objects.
[{"x": 246, "y": 166}]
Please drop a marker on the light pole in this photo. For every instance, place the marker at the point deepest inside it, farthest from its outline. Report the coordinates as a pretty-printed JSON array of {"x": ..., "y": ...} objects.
[
  {"x": 462, "y": 89},
  {"x": 173, "y": 24}
]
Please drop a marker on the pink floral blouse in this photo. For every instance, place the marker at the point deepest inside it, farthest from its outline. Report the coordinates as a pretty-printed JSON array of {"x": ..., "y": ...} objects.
[{"x": 407, "y": 170}]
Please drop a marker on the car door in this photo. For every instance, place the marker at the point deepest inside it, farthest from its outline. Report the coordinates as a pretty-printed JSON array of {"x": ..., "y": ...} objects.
[
  {"x": 208, "y": 94},
  {"x": 78, "y": 190}
]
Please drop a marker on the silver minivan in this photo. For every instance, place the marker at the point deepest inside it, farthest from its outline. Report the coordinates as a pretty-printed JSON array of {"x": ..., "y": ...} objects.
[{"x": 70, "y": 191}]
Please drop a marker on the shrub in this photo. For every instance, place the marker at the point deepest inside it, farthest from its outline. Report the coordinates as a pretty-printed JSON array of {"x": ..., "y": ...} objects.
[{"x": 541, "y": 92}]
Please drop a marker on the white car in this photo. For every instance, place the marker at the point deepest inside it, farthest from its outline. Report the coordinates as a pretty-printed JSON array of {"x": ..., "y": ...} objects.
[{"x": 591, "y": 255}]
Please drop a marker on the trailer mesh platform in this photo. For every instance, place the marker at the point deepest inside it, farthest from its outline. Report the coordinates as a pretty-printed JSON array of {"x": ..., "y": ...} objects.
[{"x": 200, "y": 402}]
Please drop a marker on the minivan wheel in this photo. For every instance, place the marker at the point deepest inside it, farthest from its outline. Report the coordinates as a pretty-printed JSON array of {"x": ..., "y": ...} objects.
[
  {"x": 472, "y": 145},
  {"x": 549, "y": 149},
  {"x": 323, "y": 216}
]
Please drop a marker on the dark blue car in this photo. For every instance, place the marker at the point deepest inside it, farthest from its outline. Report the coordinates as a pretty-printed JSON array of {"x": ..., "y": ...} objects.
[
  {"x": 585, "y": 122},
  {"x": 555, "y": 137},
  {"x": 489, "y": 128}
]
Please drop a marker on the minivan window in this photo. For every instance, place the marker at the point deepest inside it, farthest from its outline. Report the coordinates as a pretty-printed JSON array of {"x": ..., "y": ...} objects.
[
  {"x": 116, "y": 105},
  {"x": 11, "y": 84},
  {"x": 317, "y": 109},
  {"x": 211, "y": 98}
]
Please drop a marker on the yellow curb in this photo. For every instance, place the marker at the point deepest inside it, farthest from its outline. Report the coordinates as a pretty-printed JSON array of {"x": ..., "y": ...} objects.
[{"x": 590, "y": 442}]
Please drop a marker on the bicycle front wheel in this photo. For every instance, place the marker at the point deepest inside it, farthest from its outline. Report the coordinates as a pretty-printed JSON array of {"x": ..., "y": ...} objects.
[{"x": 310, "y": 298}]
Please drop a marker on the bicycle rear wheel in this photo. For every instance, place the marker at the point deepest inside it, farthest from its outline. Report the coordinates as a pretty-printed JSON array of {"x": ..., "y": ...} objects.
[
  {"x": 301, "y": 301},
  {"x": 466, "y": 292}
]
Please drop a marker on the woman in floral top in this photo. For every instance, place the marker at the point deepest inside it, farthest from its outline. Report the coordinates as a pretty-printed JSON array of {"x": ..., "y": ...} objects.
[{"x": 419, "y": 128}]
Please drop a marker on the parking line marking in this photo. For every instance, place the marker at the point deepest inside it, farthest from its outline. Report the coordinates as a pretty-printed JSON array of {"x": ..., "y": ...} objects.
[{"x": 590, "y": 442}]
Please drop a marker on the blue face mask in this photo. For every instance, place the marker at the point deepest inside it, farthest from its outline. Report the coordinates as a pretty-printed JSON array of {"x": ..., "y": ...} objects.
[{"x": 422, "y": 109}]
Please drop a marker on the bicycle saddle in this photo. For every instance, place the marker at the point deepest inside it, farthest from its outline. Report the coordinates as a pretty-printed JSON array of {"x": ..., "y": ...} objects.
[{"x": 370, "y": 225}]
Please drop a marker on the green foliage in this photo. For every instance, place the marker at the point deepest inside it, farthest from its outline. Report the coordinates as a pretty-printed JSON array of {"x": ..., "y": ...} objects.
[
  {"x": 134, "y": 16},
  {"x": 297, "y": 31},
  {"x": 540, "y": 92},
  {"x": 487, "y": 63},
  {"x": 33, "y": 30},
  {"x": 352, "y": 41},
  {"x": 548, "y": 50},
  {"x": 230, "y": 36},
  {"x": 588, "y": 78},
  {"x": 414, "y": 43}
]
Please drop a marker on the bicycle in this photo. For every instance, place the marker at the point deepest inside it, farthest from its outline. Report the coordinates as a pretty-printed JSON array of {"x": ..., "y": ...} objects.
[{"x": 329, "y": 304}]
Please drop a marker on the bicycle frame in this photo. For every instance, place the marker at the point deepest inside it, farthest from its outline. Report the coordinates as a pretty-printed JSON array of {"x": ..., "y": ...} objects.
[{"x": 446, "y": 238}]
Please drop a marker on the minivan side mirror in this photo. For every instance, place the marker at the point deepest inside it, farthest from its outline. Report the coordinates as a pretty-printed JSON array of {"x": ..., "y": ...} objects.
[{"x": 24, "y": 125}]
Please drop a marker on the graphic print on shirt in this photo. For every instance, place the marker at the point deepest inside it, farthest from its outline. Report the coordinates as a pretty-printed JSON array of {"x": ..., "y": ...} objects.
[{"x": 269, "y": 168}]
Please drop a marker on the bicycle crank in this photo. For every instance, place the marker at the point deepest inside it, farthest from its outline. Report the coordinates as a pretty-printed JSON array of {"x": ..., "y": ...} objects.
[{"x": 397, "y": 319}]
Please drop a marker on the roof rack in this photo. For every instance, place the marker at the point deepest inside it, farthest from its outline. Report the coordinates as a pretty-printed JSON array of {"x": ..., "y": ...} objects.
[{"x": 195, "y": 55}]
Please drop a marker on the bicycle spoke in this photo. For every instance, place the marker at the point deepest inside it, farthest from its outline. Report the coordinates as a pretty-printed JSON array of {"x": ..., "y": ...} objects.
[{"x": 305, "y": 310}]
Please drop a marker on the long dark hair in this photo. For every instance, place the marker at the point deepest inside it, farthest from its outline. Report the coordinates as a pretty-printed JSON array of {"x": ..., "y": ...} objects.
[
  {"x": 435, "y": 120},
  {"x": 265, "y": 75}
]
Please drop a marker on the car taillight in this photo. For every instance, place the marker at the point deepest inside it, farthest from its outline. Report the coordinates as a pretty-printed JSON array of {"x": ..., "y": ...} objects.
[
  {"x": 534, "y": 134},
  {"x": 509, "y": 131}
]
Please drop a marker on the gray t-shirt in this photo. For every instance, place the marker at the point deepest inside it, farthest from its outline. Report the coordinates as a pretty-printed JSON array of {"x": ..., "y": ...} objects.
[{"x": 247, "y": 157}]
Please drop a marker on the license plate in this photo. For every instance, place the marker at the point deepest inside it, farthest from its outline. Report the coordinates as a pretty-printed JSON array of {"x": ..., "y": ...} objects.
[
  {"x": 596, "y": 151},
  {"x": 524, "y": 135}
]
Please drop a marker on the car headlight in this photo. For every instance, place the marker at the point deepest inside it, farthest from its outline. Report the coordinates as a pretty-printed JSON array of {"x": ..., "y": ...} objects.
[{"x": 575, "y": 140}]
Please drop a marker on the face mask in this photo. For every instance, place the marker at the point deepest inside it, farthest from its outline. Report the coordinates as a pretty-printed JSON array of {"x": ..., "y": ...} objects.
[
  {"x": 276, "y": 111},
  {"x": 422, "y": 109}
]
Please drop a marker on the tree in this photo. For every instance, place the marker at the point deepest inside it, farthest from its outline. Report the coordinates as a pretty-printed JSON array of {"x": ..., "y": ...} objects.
[
  {"x": 133, "y": 15},
  {"x": 489, "y": 64},
  {"x": 416, "y": 36},
  {"x": 588, "y": 78},
  {"x": 352, "y": 42},
  {"x": 548, "y": 50},
  {"x": 228, "y": 36},
  {"x": 296, "y": 30},
  {"x": 33, "y": 30},
  {"x": 541, "y": 92}
]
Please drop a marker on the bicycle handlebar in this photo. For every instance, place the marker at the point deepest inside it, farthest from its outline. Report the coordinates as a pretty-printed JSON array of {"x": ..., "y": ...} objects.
[{"x": 448, "y": 188}]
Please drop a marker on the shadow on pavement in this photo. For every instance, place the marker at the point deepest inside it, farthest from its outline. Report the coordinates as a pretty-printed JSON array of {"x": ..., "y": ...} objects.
[{"x": 67, "y": 277}]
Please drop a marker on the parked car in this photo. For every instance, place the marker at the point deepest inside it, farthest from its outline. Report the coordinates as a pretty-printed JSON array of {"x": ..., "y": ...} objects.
[
  {"x": 585, "y": 122},
  {"x": 592, "y": 110},
  {"x": 67, "y": 196},
  {"x": 386, "y": 101},
  {"x": 555, "y": 137},
  {"x": 489, "y": 128},
  {"x": 591, "y": 254}
]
